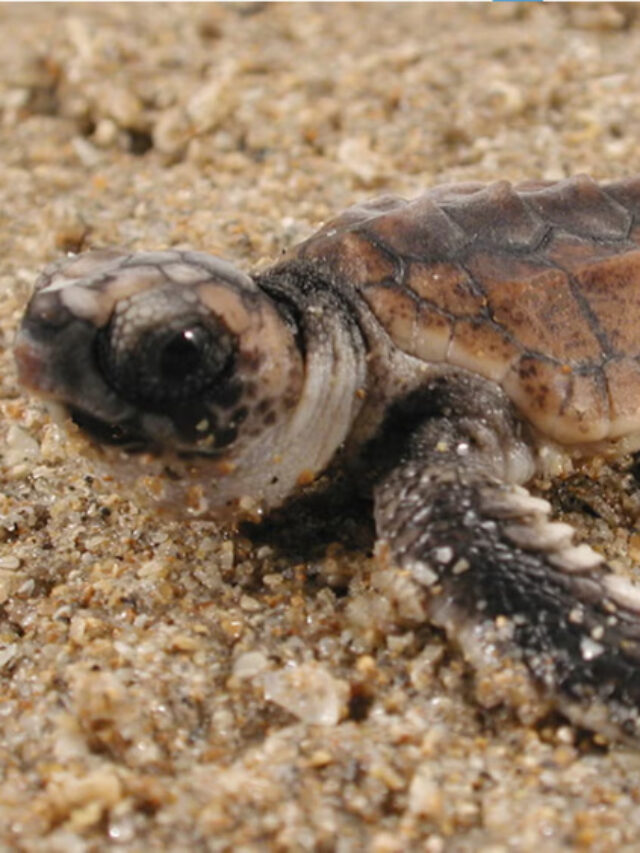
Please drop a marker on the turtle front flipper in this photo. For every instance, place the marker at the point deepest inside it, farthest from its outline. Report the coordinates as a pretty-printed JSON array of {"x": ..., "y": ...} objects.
[{"x": 505, "y": 582}]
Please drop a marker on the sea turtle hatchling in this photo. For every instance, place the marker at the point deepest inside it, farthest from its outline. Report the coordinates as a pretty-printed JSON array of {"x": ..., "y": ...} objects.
[{"x": 443, "y": 349}]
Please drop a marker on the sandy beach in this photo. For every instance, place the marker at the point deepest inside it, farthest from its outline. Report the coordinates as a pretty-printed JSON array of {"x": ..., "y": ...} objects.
[{"x": 174, "y": 687}]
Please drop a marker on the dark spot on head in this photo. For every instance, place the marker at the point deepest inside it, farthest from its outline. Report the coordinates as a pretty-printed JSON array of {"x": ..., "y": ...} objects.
[
  {"x": 541, "y": 395},
  {"x": 228, "y": 394},
  {"x": 290, "y": 400},
  {"x": 239, "y": 415},
  {"x": 226, "y": 436},
  {"x": 270, "y": 418},
  {"x": 528, "y": 371},
  {"x": 253, "y": 360},
  {"x": 250, "y": 389}
]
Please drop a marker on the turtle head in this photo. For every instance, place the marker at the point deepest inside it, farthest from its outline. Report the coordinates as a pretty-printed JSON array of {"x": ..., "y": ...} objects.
[{"x": 174, "y": 361}]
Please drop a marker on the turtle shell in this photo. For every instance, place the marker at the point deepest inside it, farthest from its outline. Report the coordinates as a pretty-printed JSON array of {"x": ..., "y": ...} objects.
[{"x": 534, "y": 286}]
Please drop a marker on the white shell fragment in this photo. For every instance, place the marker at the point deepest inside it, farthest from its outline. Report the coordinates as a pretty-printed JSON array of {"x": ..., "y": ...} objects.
[{"x": 309, "y": 692}]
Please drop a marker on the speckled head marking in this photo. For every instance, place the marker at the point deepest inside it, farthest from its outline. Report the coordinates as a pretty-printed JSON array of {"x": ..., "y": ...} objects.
[{"x": 178, "y": 359}]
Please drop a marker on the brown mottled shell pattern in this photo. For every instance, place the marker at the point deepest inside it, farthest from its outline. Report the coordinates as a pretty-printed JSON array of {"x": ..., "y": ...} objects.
[{"x": 535, "y": 286}]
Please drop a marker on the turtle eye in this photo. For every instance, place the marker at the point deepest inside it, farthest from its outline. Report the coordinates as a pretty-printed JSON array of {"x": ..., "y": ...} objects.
[
  {"x": 166, "y": 366},
  {"x": 191, "y": 358}
]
